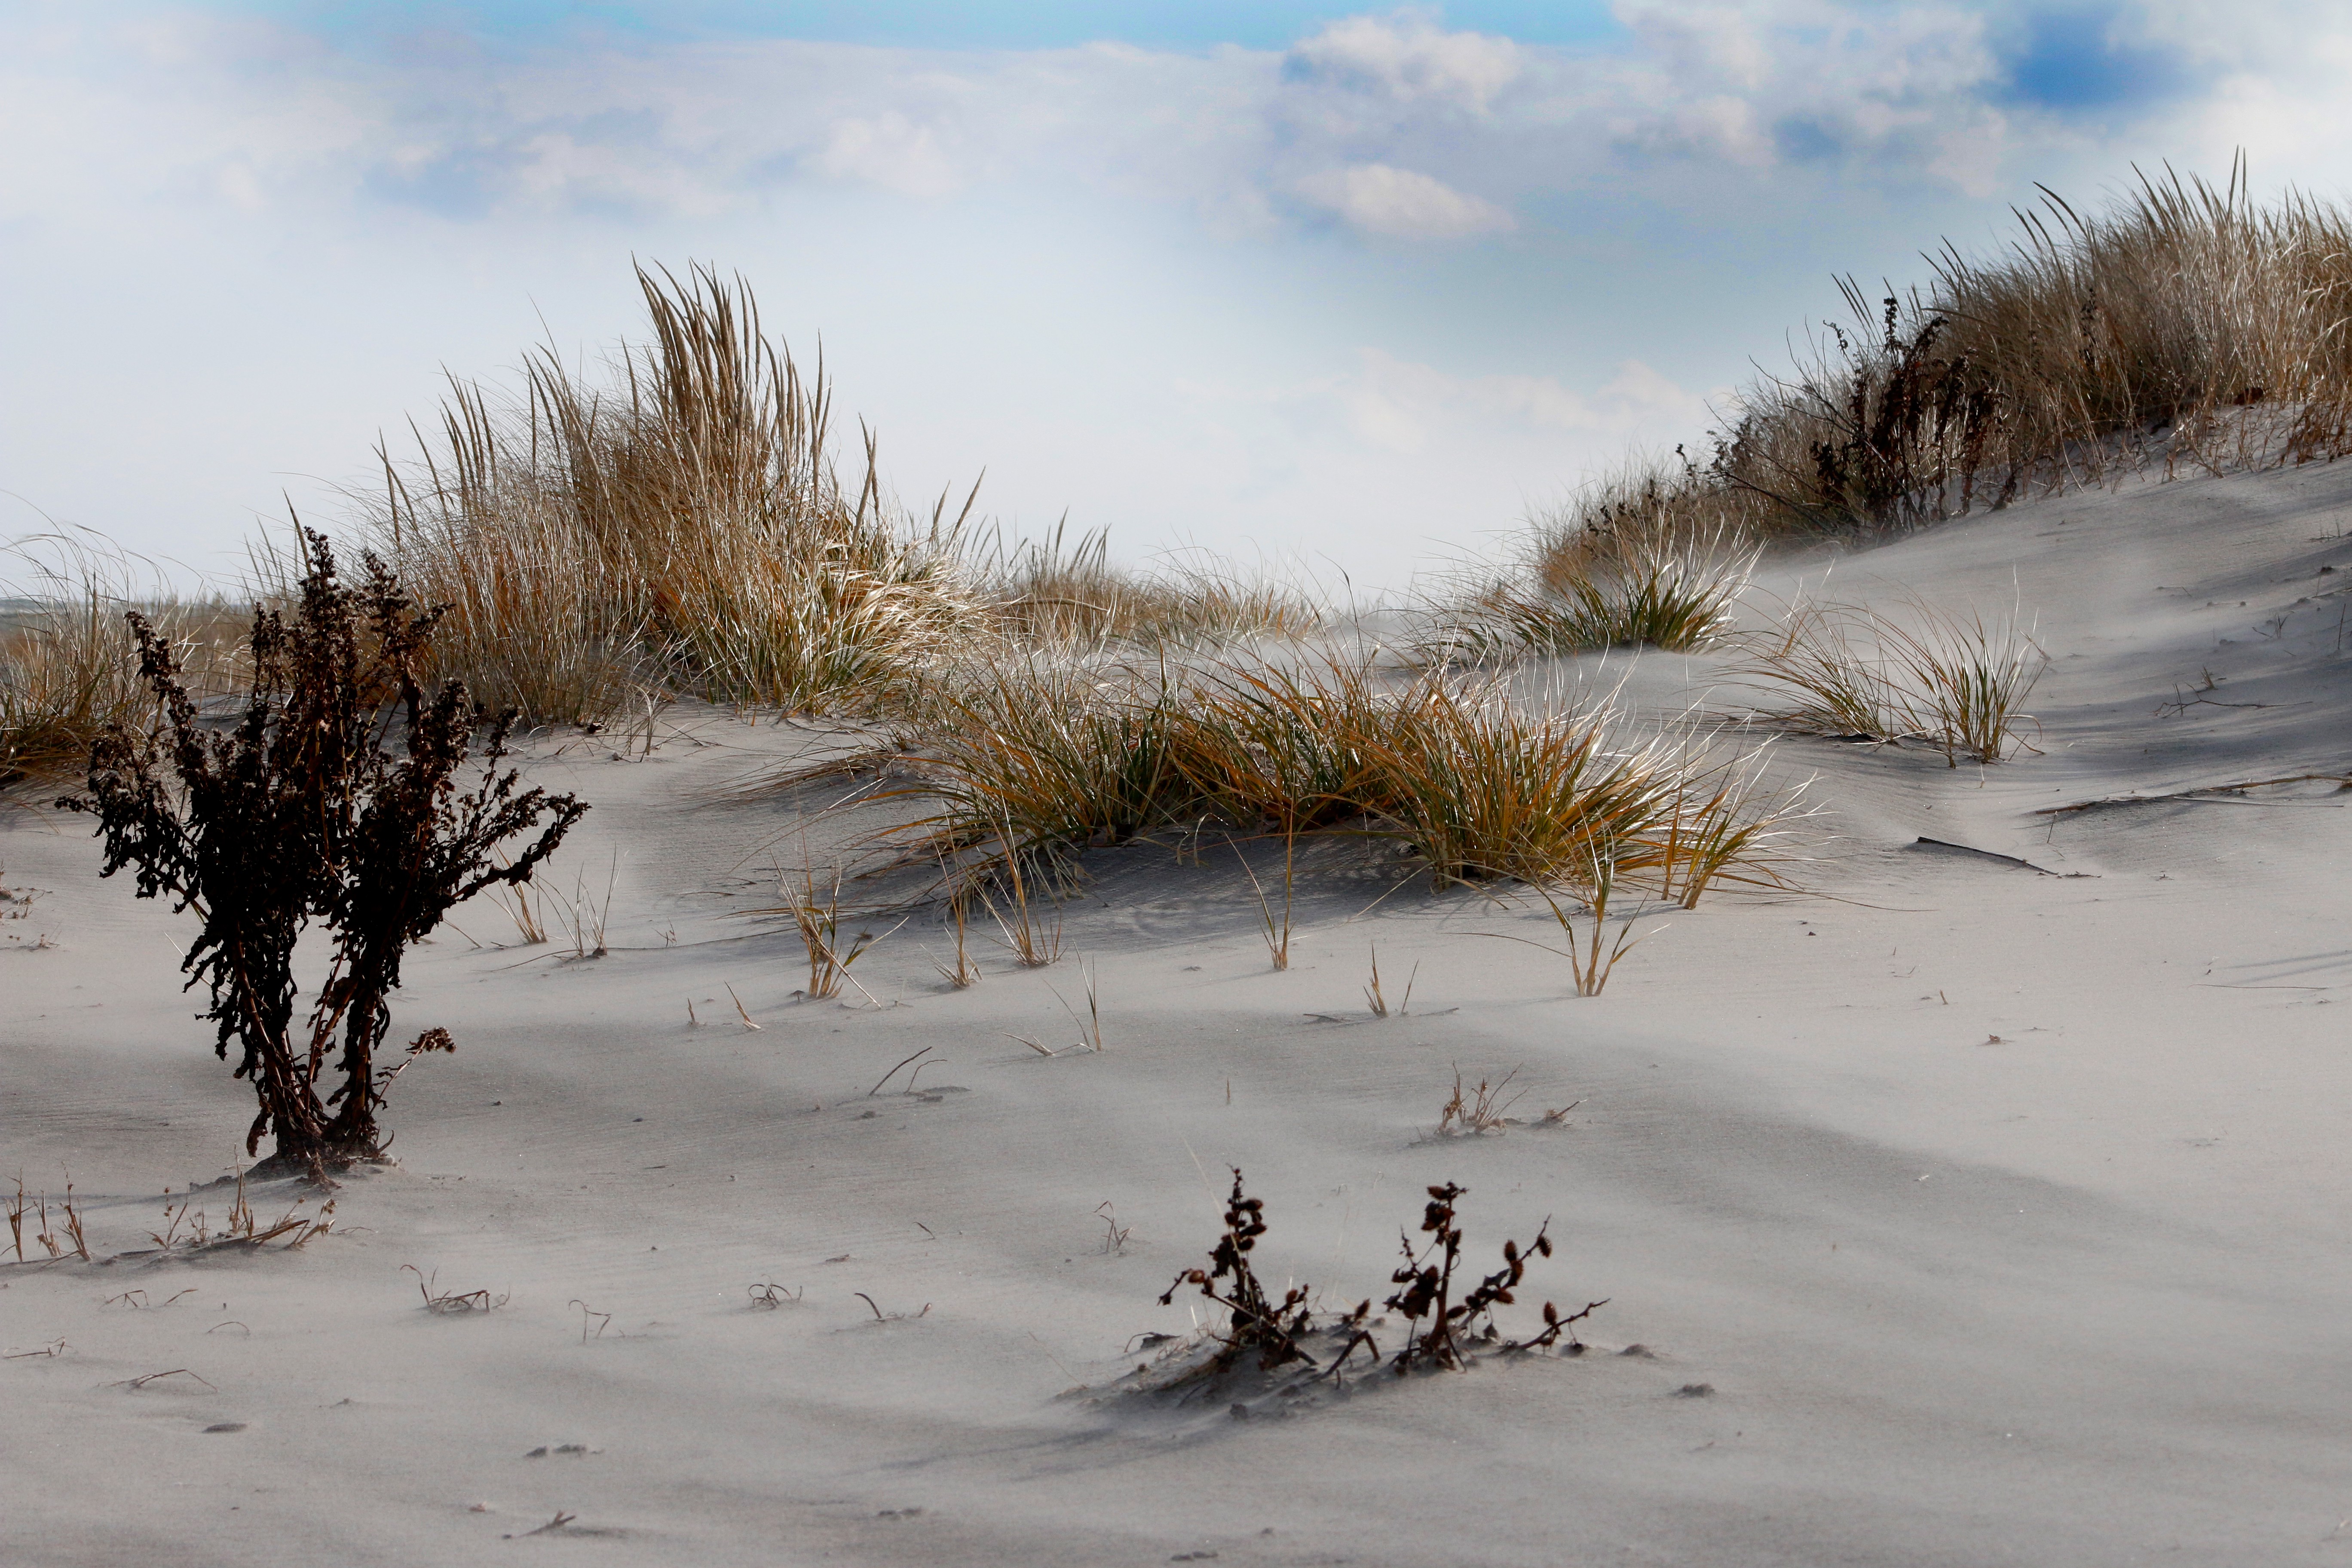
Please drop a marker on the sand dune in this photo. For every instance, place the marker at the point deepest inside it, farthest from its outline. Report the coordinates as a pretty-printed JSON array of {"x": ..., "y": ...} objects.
[{"x": 2001, "y": 1209}]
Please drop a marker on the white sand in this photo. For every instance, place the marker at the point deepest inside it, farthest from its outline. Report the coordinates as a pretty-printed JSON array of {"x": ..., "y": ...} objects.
[{"x": 2075, "y": 1297}]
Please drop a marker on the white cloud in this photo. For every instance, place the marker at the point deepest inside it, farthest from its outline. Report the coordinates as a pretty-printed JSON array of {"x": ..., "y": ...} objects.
[
  {"x": 1408, "y": 57},
  {"x": 1401, "y": 407},
  {"x": 1722, "y": 128},
  {"x": 1400, "y": 204},
  {"x": 1390, "y": 120},
  {"x": 888, "y": 151}
]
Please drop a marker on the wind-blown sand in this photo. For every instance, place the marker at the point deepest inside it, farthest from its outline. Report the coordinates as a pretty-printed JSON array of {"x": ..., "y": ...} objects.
[{"x": 2003, "y": 1212}]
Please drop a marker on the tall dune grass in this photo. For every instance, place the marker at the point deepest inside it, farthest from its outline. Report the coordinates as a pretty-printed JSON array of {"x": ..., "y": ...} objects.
[
  {"x": 68, "y": 665},
  {"x": 676, "y": 521},
  {"x": 673, "y": 519},
  {"x": 2186, "y": 324}
]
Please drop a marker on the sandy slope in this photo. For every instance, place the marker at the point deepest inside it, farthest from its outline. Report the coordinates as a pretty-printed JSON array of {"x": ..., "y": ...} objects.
[{"x": 2072, "y": 1296}]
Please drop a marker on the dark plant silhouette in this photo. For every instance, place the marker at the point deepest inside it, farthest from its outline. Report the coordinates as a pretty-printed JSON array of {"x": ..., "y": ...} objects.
[
  {"x": 1426, "y": 1281},
  {"x": 332, "y": 798},
  {"x": 1440, "y": 1332},
  {"x": 1258, "y": 1325}
]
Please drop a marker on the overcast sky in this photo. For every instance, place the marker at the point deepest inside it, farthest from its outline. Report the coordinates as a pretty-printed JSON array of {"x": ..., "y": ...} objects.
[{"x": 1288, "y": 281}]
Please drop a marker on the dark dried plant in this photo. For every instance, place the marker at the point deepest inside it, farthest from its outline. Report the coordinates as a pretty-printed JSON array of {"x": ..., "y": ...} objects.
[
  {"x": 1425, "y": 1295},
  {"x": 1443, "y": 1332},
  {"x": 332, "y": 798},
  {"x": 1257, "y": 1327}
]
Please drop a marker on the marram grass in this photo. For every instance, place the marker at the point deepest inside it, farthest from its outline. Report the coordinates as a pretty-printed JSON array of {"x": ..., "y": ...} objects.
[{"x": 1024, "y": 766}]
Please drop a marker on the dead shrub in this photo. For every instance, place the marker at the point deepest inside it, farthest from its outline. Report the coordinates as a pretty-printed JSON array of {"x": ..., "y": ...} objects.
[
  {"x": 304, "y": 810},
  {"x": 1443, "y": 1333}
]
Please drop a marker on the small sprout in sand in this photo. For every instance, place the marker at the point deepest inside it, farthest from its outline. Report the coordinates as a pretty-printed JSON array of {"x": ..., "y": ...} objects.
[
  {"x": 582, "y": 916},
  {"x": 518, "y": 903},
  {"x": 740, "y": 1011},
  {"x": 1115, "y": 1240},
  {"x": 1035, "y": 938},
  {"x": 816, "y": 913},
  {"x": 1471, "y": 1113},
  {"x": 452, "y": 1304},
  {"x": 1380, "y": 1001},
  {"x": 882, "y": 1317},
  {"x": 1276, "y": 932},
  {"x": 137, "y": 1300},
  {"x": 894, "y": 1071},
  {"x": 602, "y": 1320},
  {"x": 186, "y": 1229},
  {"x": 135, "y": 1383},
  {"x": 1588, "y": 965},
  {"x": 73, "y": 1226},
  {"x": 549, "y": 1528},
  {"x": 38, "y": 1207},
  {"x": 766, "y": 1295},
  {"x": 1090, "y": 1026},
  {"x": 966, "y": 972}
]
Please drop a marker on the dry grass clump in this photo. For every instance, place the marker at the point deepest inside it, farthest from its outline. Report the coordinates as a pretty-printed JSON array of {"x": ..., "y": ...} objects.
[
  {"x": 1028, "y": 764},
  {"x": 1584, "y": 588},
  {"x": 814, "y": 907},
  {"x": 669, "y": 522},
  {"x": 186, "y": 1230},
  {"x": 1957, "y": 682},
  {"x": 1059, "y": 593},
  {"x": 36, "y": 1209},
  {"x": 451, "y": 1303},
  {"x": 677, "y": 522},
  {"x": 68, "y": 662},
  {"x": 1478, "y": 1112},
  {"x": 2187, "y": 323}
]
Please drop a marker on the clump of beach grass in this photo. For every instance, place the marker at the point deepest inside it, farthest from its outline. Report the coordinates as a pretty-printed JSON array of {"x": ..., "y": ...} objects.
[
  {"x": 1955, "y": 681},
  {"x": 1059, "y": 592},
  {"x": 1582, "y": 591},
  {"x": 2187, "y": 325},
  {"x": 815, "y": 908},
  {"x": 672, "y": 519},
  {"x": 68, "y": 660},
  {"x": 1028, "y": 766}
]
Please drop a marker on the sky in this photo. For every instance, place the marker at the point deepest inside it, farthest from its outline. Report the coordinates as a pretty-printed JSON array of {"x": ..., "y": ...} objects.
[{"x": 1351, "y": 293}]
